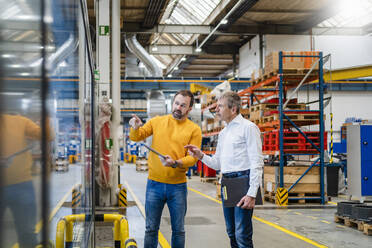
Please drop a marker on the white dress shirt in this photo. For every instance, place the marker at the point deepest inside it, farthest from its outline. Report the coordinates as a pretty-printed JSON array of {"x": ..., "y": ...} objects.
[{"x": 239, "y": 148}]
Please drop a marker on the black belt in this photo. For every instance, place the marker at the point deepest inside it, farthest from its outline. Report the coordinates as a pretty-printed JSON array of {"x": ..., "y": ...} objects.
[{"x": 235, "y": 174}]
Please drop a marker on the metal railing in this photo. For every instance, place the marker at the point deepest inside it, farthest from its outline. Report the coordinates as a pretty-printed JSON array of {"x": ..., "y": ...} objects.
[{"x": 121, "y": 229}]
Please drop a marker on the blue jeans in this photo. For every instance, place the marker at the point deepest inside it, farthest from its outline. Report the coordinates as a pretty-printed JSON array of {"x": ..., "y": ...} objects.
[
  {"x": 20, "y": 198},
  {"x": 238, "y": 221},
  {"x": 175, "y": 195}
]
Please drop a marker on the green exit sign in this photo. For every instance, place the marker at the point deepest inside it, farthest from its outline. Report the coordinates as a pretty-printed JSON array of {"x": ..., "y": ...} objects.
[{"x": 104, "y": 30}]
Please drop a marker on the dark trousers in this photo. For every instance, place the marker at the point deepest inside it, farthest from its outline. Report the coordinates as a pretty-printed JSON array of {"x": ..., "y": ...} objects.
[
  {"x": 20, "y": 198},
  {"x": 238, "y": 221}
]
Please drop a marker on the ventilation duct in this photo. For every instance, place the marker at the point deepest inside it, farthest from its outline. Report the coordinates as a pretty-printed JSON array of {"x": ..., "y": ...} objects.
[
  {"x": 62, "y": 53},
  {"x": 135, "y": 47},
  {"x": 155, "y": 103}
]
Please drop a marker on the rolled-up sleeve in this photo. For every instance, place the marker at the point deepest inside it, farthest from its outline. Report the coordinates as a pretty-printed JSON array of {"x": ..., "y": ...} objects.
[{"x": 254, "y": 150}]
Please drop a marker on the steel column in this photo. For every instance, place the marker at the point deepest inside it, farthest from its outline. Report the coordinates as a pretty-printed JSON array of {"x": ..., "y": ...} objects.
[
  {"x": 321, "y": 126},
  {"x": 281, "y": 131}
]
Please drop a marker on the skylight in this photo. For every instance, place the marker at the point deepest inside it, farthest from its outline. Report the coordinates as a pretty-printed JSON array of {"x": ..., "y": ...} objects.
[{"x": 354, "y": 14}]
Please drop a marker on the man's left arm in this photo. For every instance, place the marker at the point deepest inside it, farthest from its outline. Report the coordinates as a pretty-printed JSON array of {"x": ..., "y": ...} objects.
[
  {"x": 195, "y": 140},
  {"x": 254, "y": 150}
]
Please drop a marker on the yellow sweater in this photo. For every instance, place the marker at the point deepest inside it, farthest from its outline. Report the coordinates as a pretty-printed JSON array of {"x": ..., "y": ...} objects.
[
  {"x": 15, "y": 131},
  {"x": 169, "y": 136}
]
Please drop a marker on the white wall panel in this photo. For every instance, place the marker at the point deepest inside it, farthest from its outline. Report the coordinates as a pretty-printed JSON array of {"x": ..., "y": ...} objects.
[{"x": 249, "y": 58}]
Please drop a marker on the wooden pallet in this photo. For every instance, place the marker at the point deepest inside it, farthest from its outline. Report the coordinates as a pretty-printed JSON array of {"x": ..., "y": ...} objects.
[
  {"x": 367, "y": 229},
  {"x": 274, "y": 106},
  {"x": 347, "y": 221},
  {"x": 293, "y": 117},
  {"x": 142, "y": 165},
  {"x": 208, "y": 179},
  {"x": 270, "y": 196},
  {"x": 362, "y": 226}
]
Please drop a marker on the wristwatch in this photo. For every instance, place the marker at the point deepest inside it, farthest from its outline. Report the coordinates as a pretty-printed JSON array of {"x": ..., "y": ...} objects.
[{"x": 175, "y": 165}]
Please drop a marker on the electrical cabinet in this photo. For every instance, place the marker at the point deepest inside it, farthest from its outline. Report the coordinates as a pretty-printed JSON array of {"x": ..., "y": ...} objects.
[{"x": 359, "y": 160}]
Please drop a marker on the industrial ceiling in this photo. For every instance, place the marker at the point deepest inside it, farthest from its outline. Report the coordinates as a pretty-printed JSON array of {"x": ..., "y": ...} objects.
[{"x": 171, "y": 30}]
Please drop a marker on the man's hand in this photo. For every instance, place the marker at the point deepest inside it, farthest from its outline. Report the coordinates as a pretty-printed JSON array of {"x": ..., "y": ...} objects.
[
  {"x": 247, "y": 202},
  {"x": 135, "y": 122},
  {"x": 195, "y": 151},
  {"x": 168, "y": 161}
]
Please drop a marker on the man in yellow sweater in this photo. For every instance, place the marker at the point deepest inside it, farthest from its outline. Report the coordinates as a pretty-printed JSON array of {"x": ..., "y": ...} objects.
[
  {"x": 16, "y": 132},
  {"x": 167, "y": 179}
]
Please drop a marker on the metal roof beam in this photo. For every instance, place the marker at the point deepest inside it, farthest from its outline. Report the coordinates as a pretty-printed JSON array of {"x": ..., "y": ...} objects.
[
  {"x": 133, "y": 27},
  {"x": 167, "y": 28},
  {"x": 190, "y": 50}
]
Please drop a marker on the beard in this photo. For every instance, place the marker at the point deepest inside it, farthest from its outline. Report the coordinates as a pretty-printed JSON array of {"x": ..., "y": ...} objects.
[{"x": 177, "y": 114}]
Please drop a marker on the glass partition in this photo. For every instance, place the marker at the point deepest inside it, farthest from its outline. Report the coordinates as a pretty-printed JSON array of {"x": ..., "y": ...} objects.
[{"x": 46, "y": 116}]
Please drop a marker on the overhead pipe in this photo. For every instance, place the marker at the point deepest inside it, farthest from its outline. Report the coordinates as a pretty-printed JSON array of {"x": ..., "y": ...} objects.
[
  {"x": 68, "y": 47},
  {"x": 135, "y": 47}
]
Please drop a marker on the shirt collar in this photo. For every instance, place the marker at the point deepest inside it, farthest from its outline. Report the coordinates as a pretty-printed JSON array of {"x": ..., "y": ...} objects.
[{"x": 237, "y": 119}]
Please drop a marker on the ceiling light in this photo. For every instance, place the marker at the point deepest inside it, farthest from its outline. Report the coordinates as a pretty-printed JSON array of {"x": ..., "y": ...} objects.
[
  {"x": 176, "y": 68},
  {"x": 63, "y": 64},
  {"x": 12, "y": 93},
  {"x": 183, "y": 59},
  {"x": 24, "y": 74},
  {"x": 154, "y": 48},
  {"x": 224, "y": 21},
  {"x": 169, "y": 75},
  {"x": 198, "y": 50},
  {"x": 7, "y": 55},
  {"x": 141, "y": 65}
]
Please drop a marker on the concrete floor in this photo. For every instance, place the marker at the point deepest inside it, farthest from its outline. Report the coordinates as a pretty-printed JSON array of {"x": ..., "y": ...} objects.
[{"x": 205, "y": 227}]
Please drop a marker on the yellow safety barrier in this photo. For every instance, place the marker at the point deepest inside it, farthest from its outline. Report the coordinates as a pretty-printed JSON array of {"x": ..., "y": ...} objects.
[
  {"x": 65, "y": 225},
  {"x": 76, "y": 197},
  {"x": 134, "y": 159},
  {"x": 281, "y": 197},
  {"x": 127, "y": 158},
  {"x": 130, "y": 243},
  {"x": 122, "y": 196}
]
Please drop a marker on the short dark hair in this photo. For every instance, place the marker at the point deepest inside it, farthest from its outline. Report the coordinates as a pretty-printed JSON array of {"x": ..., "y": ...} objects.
[
  {"x": 232, "y": 99},
  {"x": 186, "y": 93}
]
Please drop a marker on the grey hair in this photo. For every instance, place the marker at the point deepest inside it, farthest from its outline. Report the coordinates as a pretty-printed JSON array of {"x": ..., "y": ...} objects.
[{"x": 232, "y": 99}]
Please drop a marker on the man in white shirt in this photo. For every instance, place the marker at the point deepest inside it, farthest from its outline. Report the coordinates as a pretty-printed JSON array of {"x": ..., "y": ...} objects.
[{"x": 238, "y": 155}]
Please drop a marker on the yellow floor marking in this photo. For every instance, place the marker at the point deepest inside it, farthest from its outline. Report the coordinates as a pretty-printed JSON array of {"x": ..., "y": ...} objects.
[
  {"x": 316, "y": 210},
  {"x": 312, "y": 217},
  {"x": 327, "y": 222},
  {"x": 334, "y": 203},
  {"x": 298, "y": 213},
  {"x": 162, "y": 241},
  {"x": 206, "y": 196},
  {"x": 340, "y": 226},
  {"x": 270, "y": 224}
]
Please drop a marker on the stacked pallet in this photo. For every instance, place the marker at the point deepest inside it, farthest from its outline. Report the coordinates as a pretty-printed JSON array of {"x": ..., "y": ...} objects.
[
  {"x": 308, "y": 186},
  {"x": 245, "y": 113},
  {"x": 292, "y": 66},
  {"x": 293, "y": 142},
  {"x": 142, "y": 165},
  {"x": 268, "y": 111},
  {"x": 290, "y": 63}
]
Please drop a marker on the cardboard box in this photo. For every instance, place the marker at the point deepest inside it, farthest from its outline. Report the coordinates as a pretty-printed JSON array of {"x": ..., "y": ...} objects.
[{"x": 272, "y": 61}]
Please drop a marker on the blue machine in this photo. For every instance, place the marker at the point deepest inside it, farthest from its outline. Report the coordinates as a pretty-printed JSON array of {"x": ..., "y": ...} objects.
[{"x": 359, "y": 160}]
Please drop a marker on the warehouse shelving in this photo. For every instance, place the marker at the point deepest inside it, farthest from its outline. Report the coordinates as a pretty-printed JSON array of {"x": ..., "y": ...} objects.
[{"x": 277, "y": 83}]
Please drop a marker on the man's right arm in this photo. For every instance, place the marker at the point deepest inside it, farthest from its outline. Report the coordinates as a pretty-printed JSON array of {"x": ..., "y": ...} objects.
[
  {"x": 211, "y": 161},
  {"x": 141, "y": 133}
]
